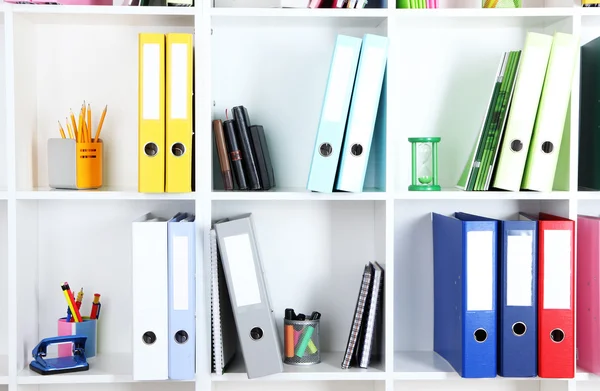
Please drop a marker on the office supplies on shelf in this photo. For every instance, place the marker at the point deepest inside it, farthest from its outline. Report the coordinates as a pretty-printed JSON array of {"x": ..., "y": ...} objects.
[
  {"x": 150, "y": 298},
  {"x": 181, "y": 247},
  {"x": 464, "y": 272},
  {"x": 96, "y": 305},
  {"x": 588, "y": 293},
  {"x": 87, "y": 327},
  {"x": 302, "y": 341},
  {"x": 501, "y": 3},
  {"x": 523, "y": 109},
  {"x": 590, "y": 3},
  {"x": 52, "y": 366},
  {"x": 357, "y": 319},
  {"x": 263, "y": 159},
  {"x": 82, "y": 131},
  {"x": 234, "y": 153},
  {"x": 262, "y": 3},
  {"x": 479, "y": 169},
  {"x": 367, "y": 96},
  {"x": 223, "y": 331},
  {"x": 179, "y": 124},
  {"x": 221, "y": 146},
  {"x": 249, "y": 295},
  {"x": 424, "y": 163},
  {"x": 373, "y": 321},
  {"x": 546, "y": 141},
  {"x": 151, "y": 113},
  {"x": 416, "y": 4},
  {"x": 73, "y": 165},
  {"x": 556, "y": 302},
  {"x": 334, "y": 112},
  {"x": 517, "y": 288},
  {"x": 71, "y": 302},
  {"x": 249, "y": 159},
  {"x": 589, "y": 122}
]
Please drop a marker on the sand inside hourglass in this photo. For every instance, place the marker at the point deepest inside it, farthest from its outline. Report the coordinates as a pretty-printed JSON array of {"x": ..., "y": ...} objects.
[{"x": 425, "y": 176}]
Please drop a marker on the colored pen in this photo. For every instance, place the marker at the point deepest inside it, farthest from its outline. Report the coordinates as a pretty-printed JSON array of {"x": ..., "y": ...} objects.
[
  {"x": 69, "y": 317},
  {"x": 79, "y": 299},
  {"x": 95, "y": 307},
  {"x": 71, "y": 302}
]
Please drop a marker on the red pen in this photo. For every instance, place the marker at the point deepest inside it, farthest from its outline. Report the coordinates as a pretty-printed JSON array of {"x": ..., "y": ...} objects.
[{"x": 95, "y": 307}]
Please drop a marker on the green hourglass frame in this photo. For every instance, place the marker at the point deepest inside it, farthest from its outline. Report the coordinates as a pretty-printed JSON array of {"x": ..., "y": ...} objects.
[{"x": 424, "y": 164}]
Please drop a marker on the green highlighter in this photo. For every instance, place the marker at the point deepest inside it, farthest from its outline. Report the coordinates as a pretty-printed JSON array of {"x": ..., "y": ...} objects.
[{"x": 301, "y": 349}]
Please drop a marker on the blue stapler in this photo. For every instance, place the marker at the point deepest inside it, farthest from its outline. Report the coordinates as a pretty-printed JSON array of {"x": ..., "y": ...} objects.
[{"x": 75, "y": 363}]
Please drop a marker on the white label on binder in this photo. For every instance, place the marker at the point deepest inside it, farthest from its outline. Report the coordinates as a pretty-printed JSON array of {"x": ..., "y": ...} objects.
[
  {"x": 151, "y": 81},
  {"x": 339, "y": 82},
  {"x": 367, "y": 94},
  {"x": 480, "y": 271},
  {"x": 179, "y": 82},
  {"x": 241, "y": 266},
  {"x": 557, "y": 269},
  {"x": 180, "y": 273},
  {"x": 519, "y": 270}
]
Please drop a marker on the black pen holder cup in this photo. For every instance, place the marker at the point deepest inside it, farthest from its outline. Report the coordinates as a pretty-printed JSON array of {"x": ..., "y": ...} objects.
[{"x": 301, "y": 342}]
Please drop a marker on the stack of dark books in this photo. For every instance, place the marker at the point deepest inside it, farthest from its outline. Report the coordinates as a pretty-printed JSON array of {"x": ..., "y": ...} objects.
[{"x": 243, "y": 153}]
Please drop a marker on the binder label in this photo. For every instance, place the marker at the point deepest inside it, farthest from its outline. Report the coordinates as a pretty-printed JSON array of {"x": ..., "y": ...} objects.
[
  {"x": 179, "y": 83},
  {"x": 180, "y": 273},
  {"x": 366, "y": 104},
  {"x": 151, "y": 81},
  {"x": 519, "y": 269},
  {"x": 241, "y": 267},
  {"x": 480, "y": 271},
  {"x": 338, "y": 84},
  {"x": 557, "y": 269}
]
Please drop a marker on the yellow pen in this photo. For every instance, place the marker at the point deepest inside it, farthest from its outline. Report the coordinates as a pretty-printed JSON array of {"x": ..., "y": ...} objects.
[
  {"x": 89, "y": 123},
  {"x": 69, "y": 129},
  {"x": 74, "y": 124},
  {"x": 74, "y": 310},
  {"x": 100, "y": 124}
]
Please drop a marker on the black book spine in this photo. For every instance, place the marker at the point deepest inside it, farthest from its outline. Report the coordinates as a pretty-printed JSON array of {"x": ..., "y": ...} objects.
[
  {"x": 234, "y": 154},
  {"x": 242, "y": 121},
  {"x": 259, "y": 140}
]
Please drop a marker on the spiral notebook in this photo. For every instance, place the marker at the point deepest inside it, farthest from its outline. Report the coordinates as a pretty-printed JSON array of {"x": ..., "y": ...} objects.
[{"x": 224, "y": 334}]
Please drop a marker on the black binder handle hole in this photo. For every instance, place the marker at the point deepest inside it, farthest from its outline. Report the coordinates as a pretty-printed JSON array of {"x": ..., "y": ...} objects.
[
  {"x": 557, "y": 335},
  {"x": 480, "y": 335},
  {"x": 519, "y": 329},
  {"x": 516, "y": 145},
  {"x": 325, "y": 149},
  {"x": 181, "y": 336},
  {"x": 178, "y": 149},
  {"x": 547, "y": 147},
  {"x": 149, "y": 337},
  {"x": 151, "y": 149},
  {"x": 256, "y": 333},
  {"x": 356, "y": 149}
]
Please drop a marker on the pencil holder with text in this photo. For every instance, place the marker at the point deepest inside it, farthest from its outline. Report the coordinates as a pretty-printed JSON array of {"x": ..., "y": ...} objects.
[
  {"x": 73, "y": 165},
  {"x": 87, "y": 328},
  {"x": 301, "y": 342}
]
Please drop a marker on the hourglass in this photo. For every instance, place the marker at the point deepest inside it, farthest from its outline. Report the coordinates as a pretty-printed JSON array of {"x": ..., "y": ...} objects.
[{"x": 424, "y": 164}]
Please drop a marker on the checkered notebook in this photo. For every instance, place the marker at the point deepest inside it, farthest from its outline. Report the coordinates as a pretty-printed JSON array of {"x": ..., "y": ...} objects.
[{"x": 357, "y": 321}]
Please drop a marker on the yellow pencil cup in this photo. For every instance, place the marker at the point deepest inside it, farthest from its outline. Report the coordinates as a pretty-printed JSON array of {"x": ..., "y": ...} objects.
[{"x": 74, "y": 165}]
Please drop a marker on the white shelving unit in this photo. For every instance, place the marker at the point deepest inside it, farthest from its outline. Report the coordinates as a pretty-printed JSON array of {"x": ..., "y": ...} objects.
[{"x": 274, "y": 62}]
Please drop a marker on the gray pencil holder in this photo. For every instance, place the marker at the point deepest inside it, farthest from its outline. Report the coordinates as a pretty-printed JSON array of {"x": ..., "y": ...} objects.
[{"x": 301, "y": 342}]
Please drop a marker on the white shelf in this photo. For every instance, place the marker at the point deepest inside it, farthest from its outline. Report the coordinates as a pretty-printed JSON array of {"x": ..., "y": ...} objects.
[
  {"x": 105, "y": 368},
  {"x": 294, "y": 194},
  {"x": 105, "y": 193},
  {"x": 3, "y": 369},
  {"x": 328, "y": 369},
  {"x": 456, "y": 194}
]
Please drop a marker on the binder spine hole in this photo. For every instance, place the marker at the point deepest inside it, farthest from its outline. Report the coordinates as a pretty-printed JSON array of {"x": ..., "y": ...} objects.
[
  {"x": 356, "y": 150},
  {"x": 256, "y": 333},
  {"x": 547, "y": 147},
  {"x": 151, "y": 149},
  {"x": 516, "y": 145},
  {"x": 178, "y": 149},
  {"x": 181, "y": 337},
  {"x": 325, "y": 149},
  {"x": 480, "y": 335},
  {"x": 557, "y": 335},
  {"x": 519, "y": 329},
  {"x": 149, "y": 337}
]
